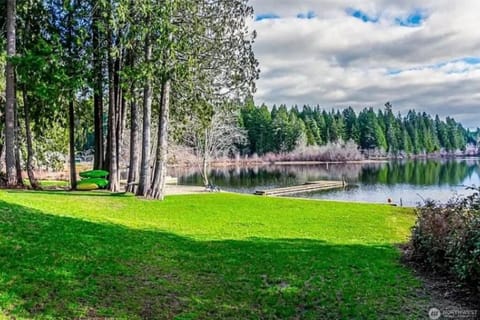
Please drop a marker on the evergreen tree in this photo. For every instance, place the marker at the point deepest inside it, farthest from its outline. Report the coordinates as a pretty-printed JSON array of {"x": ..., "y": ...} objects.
[
  {"x": 371, "y": 133},
  {"x": 391, "y": 130},
  {"x": 351, "y": 125},
  {"x": 415, "y": 133}
]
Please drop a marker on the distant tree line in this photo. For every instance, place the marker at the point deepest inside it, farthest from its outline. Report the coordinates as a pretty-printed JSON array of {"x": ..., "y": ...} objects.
[{"x": 281, "y": 129}]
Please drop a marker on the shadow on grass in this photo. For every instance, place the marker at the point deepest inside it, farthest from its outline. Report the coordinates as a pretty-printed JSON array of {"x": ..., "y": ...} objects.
[
  {"x": 62, "y": 267},
  {"x": 97, "y": 193}
]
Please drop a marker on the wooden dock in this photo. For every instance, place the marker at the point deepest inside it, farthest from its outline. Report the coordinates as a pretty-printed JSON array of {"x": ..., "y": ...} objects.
[{"x": 306, "y": 187}]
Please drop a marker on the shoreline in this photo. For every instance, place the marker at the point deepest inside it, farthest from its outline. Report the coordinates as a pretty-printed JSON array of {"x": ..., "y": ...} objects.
[
  {"x": 231, "y": 163},
  {"x": 63, "y": 175}
]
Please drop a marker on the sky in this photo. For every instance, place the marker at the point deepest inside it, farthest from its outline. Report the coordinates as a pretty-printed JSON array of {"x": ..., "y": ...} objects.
[{"x": 422, "y": 55}]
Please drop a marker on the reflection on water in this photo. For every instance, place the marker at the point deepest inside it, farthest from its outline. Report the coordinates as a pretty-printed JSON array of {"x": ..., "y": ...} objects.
[{"x": 403, "y": 181}]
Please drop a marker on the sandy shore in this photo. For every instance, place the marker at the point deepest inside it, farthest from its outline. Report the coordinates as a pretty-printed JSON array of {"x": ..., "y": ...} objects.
[{"x": 175, "y": 189}]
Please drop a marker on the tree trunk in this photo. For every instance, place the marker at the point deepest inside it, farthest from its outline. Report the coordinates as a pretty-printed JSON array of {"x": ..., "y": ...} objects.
[
  {"x": 98, "y": 162},
  {"x": 18, "y": 163},
  {"x": 119, "y": 134},
  {"x": 112, "y": 120},
  {"x": 144, "y": 183},
  {"x": 134, "y": 157},
  {"x": 31, "y": 176},
  {"x": 71, "y": 108},
  {"x": 71, "y": 136},
  {"x": 158, "y": 184},
  {"x": 205, "y": 171},
  {"x": 118, "y": 106},
  {"x": 10, "y": 95},
  {"x": 123, "y": 115},
  {"x": 106, "y": 159},
  {"x": 18, "y": 169},
  {"x": 205, "y": 159},
  {"x": 1, "y": 155}
]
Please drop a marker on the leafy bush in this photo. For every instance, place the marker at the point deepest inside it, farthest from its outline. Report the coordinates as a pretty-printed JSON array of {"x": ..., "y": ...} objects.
[{"x": 446, "y": 237}]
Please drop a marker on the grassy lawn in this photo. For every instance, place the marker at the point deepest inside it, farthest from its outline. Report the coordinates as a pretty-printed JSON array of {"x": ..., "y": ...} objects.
[
  {"x": 49, "y": 183},
  {"x": 201, "y": 257}
]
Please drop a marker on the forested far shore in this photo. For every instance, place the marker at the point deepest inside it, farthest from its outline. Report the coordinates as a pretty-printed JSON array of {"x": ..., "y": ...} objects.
[{"x": 283, "y": 130}]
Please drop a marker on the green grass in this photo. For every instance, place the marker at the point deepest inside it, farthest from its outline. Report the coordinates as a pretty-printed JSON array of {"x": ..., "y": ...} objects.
[
  {"x": 49, "y": 183},
  {"x": 65, "y": 255}
]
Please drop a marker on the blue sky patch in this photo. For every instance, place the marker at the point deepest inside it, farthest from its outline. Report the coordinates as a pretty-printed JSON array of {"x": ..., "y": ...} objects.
[
  {"x": 414, "y": 19},
  {"x": 467, "y": 60},
  {"x": 308, "y": 15},
  {"x": 266, "y": 16},
  {"x": 472, "y": 60},
  {"x": 393, "y": 72},
  {"x": 359, "y": 14}
]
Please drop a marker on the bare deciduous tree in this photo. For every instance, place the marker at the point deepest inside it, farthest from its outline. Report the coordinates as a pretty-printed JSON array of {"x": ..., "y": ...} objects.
[{"x": 214, "y": 136}]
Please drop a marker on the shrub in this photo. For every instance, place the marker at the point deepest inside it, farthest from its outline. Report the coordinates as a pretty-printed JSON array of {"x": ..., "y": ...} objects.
[
  {"x": 330, "y": 152},
  {"x": 446, "y": 237}
]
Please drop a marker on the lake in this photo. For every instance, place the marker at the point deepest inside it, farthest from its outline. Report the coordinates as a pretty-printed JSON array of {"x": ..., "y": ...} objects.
[{"x": 405, "y": 182}]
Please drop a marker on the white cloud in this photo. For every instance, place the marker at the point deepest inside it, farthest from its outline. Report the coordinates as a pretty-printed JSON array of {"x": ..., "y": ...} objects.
[{"x": 336, "y": 60}]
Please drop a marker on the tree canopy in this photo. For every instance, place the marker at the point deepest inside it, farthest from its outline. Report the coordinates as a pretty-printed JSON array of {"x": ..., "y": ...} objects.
[
  {"x": 104, "y": 68},
  {"x": 282, "y": 129}
]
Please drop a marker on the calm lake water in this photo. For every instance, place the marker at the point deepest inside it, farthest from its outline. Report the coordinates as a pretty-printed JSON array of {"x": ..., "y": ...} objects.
[{"x": 406, "y": 182}]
